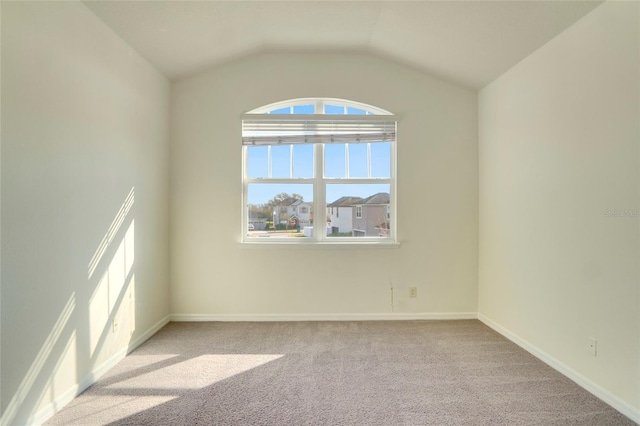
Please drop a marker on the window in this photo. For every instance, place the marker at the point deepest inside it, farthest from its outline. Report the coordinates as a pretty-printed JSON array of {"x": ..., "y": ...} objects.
[{"x": 303, "y": 158}]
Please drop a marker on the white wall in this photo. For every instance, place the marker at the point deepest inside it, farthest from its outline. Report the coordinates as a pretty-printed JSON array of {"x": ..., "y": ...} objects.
[
  {"x": 84, "y": 122},
  {"x": 559, "y": 146},
  {"x": 344, "y": 222},
  {"x": 212, "y": 274}
]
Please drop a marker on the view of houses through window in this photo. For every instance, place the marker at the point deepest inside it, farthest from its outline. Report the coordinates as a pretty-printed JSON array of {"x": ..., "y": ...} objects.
[
  {"x": 289, "y": 214},
  {"x": 352, "y": 175}
]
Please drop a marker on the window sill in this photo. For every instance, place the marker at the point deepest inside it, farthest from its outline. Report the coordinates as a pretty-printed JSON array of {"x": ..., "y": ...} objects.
[{"x": 320, "y": 245}]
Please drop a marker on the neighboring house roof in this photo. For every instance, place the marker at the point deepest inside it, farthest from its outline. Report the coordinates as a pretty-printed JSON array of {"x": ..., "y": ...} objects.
[
  {"x": 288, "y": 202},
  {"x": 345, "y": 201},
  {"x": 300, "y": 202},
  {"x": 379, "y": 198}
]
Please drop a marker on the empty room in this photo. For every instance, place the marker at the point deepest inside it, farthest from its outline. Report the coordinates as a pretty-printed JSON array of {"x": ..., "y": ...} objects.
[{"x": 320, "y": 212}]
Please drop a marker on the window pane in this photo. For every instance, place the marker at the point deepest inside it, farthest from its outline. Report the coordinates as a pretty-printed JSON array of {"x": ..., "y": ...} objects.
[
  {"x": 289, "y": 206},
  {"x": 304, "y": 109},
  {"x": 333, "y": 109},
  {"x": 381, "y": 159},
  {"x": 285, "y": 110},
  {"x": 334, "y": 160},
  {"x": 303, "y": 161},
  {"x": 257, "y": 162},
  {"x": 358, "y": 162},
  {"x": 358, "y": 210},
  {"x": 281, "y": 161},
  {"x": 355, "y": 111}
]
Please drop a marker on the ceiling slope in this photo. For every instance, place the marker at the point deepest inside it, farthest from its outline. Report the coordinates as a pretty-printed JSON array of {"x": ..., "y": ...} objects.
[{"x": 470, "y": 43}]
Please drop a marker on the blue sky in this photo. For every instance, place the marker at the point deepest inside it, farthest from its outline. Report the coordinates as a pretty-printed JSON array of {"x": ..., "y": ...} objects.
[
  {"x": 335, "y": 154},
  {"x": 328, "y": 109},
  {"x": 335, "y": 167}
]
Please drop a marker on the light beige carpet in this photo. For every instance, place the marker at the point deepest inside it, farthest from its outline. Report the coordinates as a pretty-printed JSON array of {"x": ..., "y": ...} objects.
[{"x": 334, "y": 373}]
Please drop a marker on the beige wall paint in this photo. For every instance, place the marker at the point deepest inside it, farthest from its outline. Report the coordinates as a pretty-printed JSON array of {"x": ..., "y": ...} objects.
[
  {"x": 84, "y": 122},
  {"x": 211, "y": 273},
  {"x": 559, "y": 146}
]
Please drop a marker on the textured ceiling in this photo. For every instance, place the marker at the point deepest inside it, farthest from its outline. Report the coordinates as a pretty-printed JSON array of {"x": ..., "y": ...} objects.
[{"x": 467, "y": 42}]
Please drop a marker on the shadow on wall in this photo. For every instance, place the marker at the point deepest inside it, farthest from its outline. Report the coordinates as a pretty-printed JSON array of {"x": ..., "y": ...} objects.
[{"x": 94, "y": 324}]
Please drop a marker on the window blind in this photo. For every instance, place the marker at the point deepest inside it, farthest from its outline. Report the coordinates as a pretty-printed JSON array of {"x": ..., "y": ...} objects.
[{"x": 270, "y": 130}]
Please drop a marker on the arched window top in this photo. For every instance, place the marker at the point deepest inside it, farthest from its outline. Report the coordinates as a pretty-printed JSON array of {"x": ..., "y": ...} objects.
[{"x": 328, "y": 106}]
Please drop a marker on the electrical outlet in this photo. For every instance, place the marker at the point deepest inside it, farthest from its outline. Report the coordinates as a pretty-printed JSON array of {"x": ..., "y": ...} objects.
[
  {"x": 413, "y": 292},
  {"x": 592, "y": 346}
]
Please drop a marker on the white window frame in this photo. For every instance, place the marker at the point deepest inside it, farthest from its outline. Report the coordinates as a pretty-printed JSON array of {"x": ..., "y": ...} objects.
[
  {"x": 319, "y": 181},
  {"x": 359, "y": 212}
]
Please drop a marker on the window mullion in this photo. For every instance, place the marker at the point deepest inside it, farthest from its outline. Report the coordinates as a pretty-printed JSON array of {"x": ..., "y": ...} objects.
[
  {"x": 358, "y": 180},
  {"x": 291, "y": 161},
  {"x": 319, "y": 202},
  {"x": 308, "y": 181},
  {"x": 346, "y": 160}
]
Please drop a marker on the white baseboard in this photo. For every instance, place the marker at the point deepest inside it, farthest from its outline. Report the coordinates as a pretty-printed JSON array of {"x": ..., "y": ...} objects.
[
  {"x": 147, "y": 334},
  {"x": 324, "y": 317},
  {"x": 597, "y": 390},
  {"x": 90, "y": 378}
]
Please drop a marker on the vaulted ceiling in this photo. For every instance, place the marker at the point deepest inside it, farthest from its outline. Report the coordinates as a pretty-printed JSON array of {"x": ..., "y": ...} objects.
[{"x": 467, "y": 42}]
